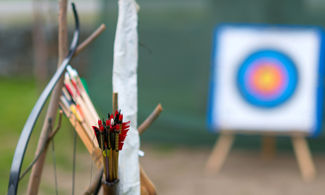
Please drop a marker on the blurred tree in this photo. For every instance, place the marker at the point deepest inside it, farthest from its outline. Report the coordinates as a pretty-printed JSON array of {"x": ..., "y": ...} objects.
[
  {"x": 39, "y": 44},
  {"x": 285, "y": 12},
  {"x": 257, "y": 11}
]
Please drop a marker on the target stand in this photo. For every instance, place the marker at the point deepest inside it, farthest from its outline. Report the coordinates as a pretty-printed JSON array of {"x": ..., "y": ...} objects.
[
  {"x": 266, "y": 80},
  {"x": 303, "y": 155}
]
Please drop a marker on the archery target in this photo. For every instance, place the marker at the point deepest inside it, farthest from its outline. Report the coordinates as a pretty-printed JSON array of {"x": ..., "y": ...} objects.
[{"x": 266, "y": 78}]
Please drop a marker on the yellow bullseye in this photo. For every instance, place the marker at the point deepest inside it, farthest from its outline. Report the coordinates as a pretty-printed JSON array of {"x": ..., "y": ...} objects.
[{"x": 267, "y": 79}]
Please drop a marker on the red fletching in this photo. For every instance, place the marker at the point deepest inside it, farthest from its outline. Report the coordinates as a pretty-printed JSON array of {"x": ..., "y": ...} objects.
[
  {"x": 108, "y": 123},
  {"x": 122, "y": 136},
  {"x": 95, "y": 129},
  {"x": 101, "y": 128},
  {"x": 124, "y": 132},
  {"x": 75, "y": 86},
  {"x": 111, "y": 129},
  {"x": 120, "y": 145},
  {"x": 68, "y": 89},
  {"x": 116, "y": 126},
  {"x": 126, "y": 125}
]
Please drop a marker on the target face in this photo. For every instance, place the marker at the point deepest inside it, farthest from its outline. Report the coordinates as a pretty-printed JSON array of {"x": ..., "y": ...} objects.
[{"x": 267, "y": 78}]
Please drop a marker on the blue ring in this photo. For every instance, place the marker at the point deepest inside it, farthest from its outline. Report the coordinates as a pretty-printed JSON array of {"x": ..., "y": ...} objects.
[{"x": 287, "y": 64}]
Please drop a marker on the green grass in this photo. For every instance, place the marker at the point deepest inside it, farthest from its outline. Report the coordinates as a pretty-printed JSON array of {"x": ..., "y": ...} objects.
[
  {"x": 17, "y": 99},
  {"x": 18, "y": 95}
]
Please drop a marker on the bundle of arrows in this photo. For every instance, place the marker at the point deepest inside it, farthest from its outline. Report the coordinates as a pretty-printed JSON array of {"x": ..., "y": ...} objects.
[
  {"x": 110, "y": 135},
  {"x": 103, "y": 142},
  {"x": 77, "y": 106}
]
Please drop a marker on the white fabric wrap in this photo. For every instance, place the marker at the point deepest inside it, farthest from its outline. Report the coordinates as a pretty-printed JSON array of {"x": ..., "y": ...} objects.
[{"x": 125, "y": 84}]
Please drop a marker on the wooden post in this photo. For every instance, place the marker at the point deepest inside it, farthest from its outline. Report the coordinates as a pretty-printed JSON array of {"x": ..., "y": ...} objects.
[
  {"x": 115, "y": 102},
  {"x": 304, "y": 158},
  {"x": 90, "y": 39},
  {"x": 36, "y": 173},
  {"x": 150, "y": 119},
  {"x": 147, "y": 187},
  {"x": 220, "y": 152},
  {"x": 268, "y": 147}
]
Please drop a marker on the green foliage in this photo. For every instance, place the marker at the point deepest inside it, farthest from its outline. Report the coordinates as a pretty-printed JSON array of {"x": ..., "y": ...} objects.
[{"x": 17, "y": 97}]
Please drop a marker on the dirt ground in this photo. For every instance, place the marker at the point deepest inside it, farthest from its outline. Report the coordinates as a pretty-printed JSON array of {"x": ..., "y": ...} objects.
[{"x": 180, "y": 171}]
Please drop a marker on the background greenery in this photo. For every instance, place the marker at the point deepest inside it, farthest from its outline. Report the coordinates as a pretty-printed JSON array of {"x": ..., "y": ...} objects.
[
  {"x": 175, "y": 38},
  {"x": 175, "y": 41}
]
